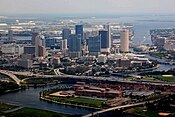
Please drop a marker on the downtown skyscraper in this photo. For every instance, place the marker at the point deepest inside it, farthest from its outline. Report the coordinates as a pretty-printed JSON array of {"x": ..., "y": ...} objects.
[
  {"x": 74, "y": 45},
  {"x": 94, "y": 45},
  {"x": 65, "y": 33},
  {"x": 79, "y": 31}
]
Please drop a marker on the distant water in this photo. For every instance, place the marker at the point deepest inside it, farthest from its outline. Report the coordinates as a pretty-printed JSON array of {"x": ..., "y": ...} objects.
[
  {"x": 20, "y": 37},
  {"x": 142, "y": 23}
]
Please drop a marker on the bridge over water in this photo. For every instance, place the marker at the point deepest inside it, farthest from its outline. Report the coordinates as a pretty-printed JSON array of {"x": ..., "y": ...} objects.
[{"x": 9, "y": 74}]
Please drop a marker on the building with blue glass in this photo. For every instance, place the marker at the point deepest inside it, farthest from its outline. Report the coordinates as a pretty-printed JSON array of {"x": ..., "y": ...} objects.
[
  {"x": 94, "y": 45},
  {"x": 79, "y": 30},
  {"x": 74, "y": 45},
  {"x": 104, "y": 38},
  {"x": 65, "y": 33},
  {"x": 53, "y": 42}
]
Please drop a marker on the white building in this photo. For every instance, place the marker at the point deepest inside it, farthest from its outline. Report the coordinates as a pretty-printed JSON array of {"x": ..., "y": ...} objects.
[
  {"x": 88, "y": 58},
  {"x": 40, "y": 50},
  {"x": 3, "y": 26},
  {"x": 63, "y": 44},
  {"x": 12, "y": 49},
  {"x": 102, "y": 58},
  {"x": 169, "y": 45},
  {"x": 124, "y": 40}
]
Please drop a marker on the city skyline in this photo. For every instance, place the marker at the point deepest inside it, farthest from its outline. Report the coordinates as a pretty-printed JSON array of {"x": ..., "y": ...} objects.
[
  {"x": 87, "y": 7},
  {"x": 87, "y": 58}
]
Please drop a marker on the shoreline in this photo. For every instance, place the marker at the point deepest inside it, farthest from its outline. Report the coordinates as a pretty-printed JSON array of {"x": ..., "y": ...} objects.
[
  {"x": 10, "y": 91},
  {"x": 69, "y": 104}
]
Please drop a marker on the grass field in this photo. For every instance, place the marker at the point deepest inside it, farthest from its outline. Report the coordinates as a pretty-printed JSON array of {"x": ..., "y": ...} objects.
[
  {"x": 138, "y": 111},
  {"x": 5, "y": 107},
  {"x": 143, "y": 78},
  {"x": 29, "y": 112},
  {"x": 80, "y": 101},
  {"x": 165, "y": 78},
  {"x": 39, "y": 80}
]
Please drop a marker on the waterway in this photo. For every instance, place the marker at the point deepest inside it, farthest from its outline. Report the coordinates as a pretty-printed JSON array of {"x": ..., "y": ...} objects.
[
  {"x": 162, "y": 67},
  {"x": 30, "y": 97}
]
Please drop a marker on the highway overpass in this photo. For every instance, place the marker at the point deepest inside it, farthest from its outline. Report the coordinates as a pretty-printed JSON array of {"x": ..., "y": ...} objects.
[{"x": 12, "y": 76}]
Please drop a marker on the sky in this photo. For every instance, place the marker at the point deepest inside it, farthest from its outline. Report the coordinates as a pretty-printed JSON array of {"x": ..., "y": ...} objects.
[{"x": 87, "y": 6}]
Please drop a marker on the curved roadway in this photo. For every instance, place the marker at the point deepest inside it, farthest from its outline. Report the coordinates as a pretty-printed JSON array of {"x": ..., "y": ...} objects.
[
  {"x": 114, "y": 108},
  {"x": 89, "y": 77},
  {"x": 8, "y": 73}
]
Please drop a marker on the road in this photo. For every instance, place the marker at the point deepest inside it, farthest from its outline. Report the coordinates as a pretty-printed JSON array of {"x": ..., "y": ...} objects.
[
  {"x": 113, "y": 108},
  {"x": 11, "y": 74},
  {"x": 13, "y": 110},
  {"x": 8, "y": 73},
  {"x": 57, "y": 72},
  {"x": 114, "y": 79},
  {"x": 95, "y": 78}
]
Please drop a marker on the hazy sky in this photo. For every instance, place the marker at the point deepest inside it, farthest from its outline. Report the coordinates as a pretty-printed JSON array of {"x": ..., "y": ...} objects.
[{"x": 86, "y": 6}]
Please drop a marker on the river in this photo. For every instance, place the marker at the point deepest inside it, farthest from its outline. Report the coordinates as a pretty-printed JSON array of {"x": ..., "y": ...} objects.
[
  {"x": 30, "y": 97},
  {"x": 162, "y": 67}
]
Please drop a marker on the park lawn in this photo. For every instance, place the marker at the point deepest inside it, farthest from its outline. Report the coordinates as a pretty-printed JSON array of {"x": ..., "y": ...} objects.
[
  {"x": 148, "y": 78},
  {"x": 138, "y": 111},
  {"x": 29, "y": 112},
  {"x": 80, "y": 101},
  {"x": 168, "y": 79},
  {"x": 130, "y": 78},
  {"x": 144, "y": 78},
  {"x": 39, "y": 80},
  {"x": 5, "y": 107}
]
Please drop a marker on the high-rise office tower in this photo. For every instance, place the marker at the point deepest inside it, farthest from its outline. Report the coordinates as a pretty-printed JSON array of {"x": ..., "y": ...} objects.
[
  {"x": 108, "y": 28},
  {"x": 74, "y": 45},
  {"x": 10, "y": 34},
  {"x": 79, "y": 31},
  {"x": 35, "y": 32},
  {"x": 105, "y": 43},
  {"x": 124, "y": 40},
  {"x": 65, "y": 33},
  {"x": 94, "y": 45},
  {"x": 86, "y": 35},
  {"x": 40, "y": 50},
  {"x": 63, "y": 44}
]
